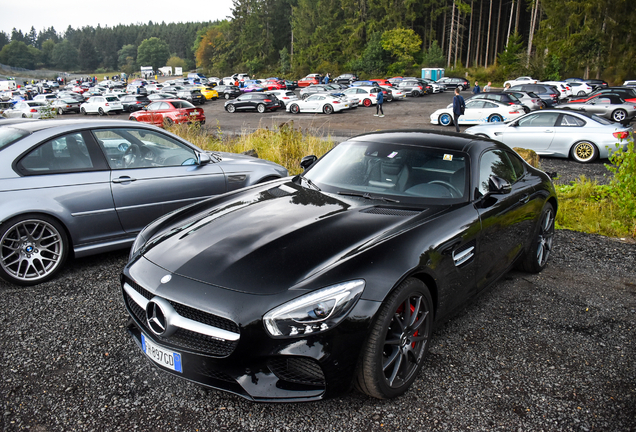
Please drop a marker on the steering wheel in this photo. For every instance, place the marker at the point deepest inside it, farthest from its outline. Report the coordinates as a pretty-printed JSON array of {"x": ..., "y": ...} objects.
[
  {"x": 455, "y": 193},
  {"x": 132, "y": 156}
]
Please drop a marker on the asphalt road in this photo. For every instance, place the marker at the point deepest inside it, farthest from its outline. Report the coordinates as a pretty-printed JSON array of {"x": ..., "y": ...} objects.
[{"x": 548, "y": 352}]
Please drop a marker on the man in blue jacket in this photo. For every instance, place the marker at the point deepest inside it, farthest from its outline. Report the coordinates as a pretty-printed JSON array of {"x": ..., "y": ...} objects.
[
  {"x": 378, "y": 107},
  {"x": 458, "y": 108}
]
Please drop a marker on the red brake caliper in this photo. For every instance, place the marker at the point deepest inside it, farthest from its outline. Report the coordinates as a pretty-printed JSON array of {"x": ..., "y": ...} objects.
[{"x": 400, "y": 310}]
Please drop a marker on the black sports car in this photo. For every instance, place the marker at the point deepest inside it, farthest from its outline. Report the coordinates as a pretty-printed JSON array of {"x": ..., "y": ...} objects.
[{"x": 294, "y": 289}]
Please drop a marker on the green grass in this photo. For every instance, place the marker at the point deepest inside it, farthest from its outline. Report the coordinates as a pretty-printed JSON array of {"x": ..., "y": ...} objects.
[{"x": 284, "y": 144}]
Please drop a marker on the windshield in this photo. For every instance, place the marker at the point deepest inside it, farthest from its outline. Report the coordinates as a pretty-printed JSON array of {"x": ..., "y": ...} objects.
[{"x": 408, "y": 174}]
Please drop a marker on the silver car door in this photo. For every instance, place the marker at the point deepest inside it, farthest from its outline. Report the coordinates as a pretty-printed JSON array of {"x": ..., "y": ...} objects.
[
  {"x": 533, "y": 131},
  {"x": 153, "y": 174}
]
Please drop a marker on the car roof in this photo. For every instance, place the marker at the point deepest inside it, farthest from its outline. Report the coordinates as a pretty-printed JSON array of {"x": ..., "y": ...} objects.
[
  {"x": 64, "y": 125},
  {"x": 427, "y": 138}
]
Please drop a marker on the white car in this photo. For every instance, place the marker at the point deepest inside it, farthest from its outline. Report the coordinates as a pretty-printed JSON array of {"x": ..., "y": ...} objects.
[
  {"x": 102, "y": 105},
  {"x": 478, "y": 111},
  {"x": 396, "y": 93},
  {"x": 284, "y": 96},
  {"x": 367, "y": 94},
  {"x": 580, "y": 88},
  {"x": 26, "y": 109},
  {"x": 318, "y": 103},
  {"x": 521, "y": 80},
  {"x": 564, "y": 88}
]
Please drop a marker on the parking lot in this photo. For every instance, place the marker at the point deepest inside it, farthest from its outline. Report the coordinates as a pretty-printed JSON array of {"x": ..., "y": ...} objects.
[{"x": 551, "y": 352}]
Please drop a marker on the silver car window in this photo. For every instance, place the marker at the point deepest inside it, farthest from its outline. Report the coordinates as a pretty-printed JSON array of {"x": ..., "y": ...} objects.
[
  {"x": 142, "y": 148},
  {"x": 65, "y": 153},
  {"x": 571, "y": 121}
]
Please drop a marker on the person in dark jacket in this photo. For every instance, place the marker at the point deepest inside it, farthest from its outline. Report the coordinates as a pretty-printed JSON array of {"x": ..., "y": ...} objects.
[
  {"x": 458, "y": 108},
  {"x": 378, "y": 107}
]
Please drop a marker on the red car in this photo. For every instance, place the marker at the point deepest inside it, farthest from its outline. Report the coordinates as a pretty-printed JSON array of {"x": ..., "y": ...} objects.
[
  {"x": 274, "y": 85},
  {"x": 309, "y": 80},
  {"x": 382, "y": 82},
  {"x": 169, "y": 111}
]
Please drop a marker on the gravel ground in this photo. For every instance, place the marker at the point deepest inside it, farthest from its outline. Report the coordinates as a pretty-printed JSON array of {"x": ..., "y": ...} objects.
[{"x": 547, "y": 352}]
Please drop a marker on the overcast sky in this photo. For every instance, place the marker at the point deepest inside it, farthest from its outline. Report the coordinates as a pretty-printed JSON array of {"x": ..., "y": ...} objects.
[{"x": 43, "y": 14}]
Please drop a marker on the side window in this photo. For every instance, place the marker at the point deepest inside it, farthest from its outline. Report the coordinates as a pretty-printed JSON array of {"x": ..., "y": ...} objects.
[
  {"x": 65, "y": 153},
  {"x": 517, "y": 165},
  {"x": 490, "y": 105},
  {"x": 495, "y": 162},
  {"x": 571, "y": 121},
  {"x": 142, "y": 148},
  {"x": 473, "y": 104}
]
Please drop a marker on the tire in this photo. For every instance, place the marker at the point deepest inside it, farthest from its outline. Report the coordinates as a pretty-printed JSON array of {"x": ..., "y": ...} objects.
[
  {"x": 366, "y": 102},
  {"x": 260, "y": 108},
  {"x": 327, "y": 109},
  {"x": 24, "y": 115},
  {"x": 230, "y": 108},
  {"x": 167, "y": 122},
  {"x": 133, "y": 119},
  {"x": 294, "y": 109},
  {"x": 41, "y": 243},
  {"x": 445, "y": 119},
  {"x": 131, "y": 109},
  {"x": 101, "y": 111},
  {"x": 581, "y": 93},
  {"x": 83, "y": 111},
  {"x": 584, "y": 152},
  {"x": 619, "y": 115},
  {"x": 226, "y": 96},
  {"x": 398, "y": 341},
  {"x": 536, "y": 257},
  {"x": 415, "y": 93},
  {"x": 495, "y": 118},
  {"x": 460, "y": 87},
  {"x": 60, "y": 111}
]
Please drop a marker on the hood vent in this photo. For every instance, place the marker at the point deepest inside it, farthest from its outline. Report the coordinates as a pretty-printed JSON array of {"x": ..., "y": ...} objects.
[
  {"x": 390, "y": 212},
  {"x": 281, "y": 191}
]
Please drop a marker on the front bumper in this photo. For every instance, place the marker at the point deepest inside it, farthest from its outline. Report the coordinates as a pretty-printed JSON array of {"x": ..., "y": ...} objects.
[{"x": 256, "y": 366}]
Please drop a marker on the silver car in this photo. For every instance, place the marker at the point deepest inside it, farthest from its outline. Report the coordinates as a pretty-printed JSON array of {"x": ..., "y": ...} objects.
[
  {"x": 81, "y": 187},
  {"x": 610, "y": 106},
  {"x": 559, "y": 133},
  {"x": 26, "y": 109}
]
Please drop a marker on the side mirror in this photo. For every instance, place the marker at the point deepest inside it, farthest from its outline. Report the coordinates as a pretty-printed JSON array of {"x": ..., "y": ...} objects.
[
  {"x": 497, "y": 185},
  {"x": 203, "y": 159},
  {"x": 307, "y": 161}
]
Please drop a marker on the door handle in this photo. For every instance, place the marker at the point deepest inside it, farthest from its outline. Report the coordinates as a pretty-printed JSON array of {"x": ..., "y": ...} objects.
[
  {"x": 524, "y": 199},
  {"x": 124, "y": 180}
]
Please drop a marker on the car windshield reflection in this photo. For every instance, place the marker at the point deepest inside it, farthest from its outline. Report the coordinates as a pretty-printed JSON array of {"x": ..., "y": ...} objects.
[{"x": 399, "y": 172}]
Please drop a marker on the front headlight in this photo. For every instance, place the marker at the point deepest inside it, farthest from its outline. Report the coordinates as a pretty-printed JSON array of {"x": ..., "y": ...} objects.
[{"x": 316, "y": 312}]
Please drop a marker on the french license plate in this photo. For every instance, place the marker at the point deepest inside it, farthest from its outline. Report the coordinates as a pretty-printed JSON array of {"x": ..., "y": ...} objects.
[{"x": 160, "y": 355}]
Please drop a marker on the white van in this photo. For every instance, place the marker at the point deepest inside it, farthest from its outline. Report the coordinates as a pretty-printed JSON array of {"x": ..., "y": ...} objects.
[{"x": 8, "y": 85}]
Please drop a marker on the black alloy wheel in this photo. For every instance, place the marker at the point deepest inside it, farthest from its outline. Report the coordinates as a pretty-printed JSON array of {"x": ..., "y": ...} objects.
[{"x": 397, "y": 342}]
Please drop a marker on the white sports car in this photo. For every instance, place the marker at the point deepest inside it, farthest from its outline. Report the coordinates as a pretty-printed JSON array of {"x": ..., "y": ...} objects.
[
  {"x": 521, "y": 80},
  {"x": 478, "y": 111},
  {"x": 318, "y": 103}
]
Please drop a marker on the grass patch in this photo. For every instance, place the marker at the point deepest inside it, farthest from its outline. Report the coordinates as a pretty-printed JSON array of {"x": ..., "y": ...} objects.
[
  {"x": 284, "y": 144},
  {"x": 588, "y": 207}
]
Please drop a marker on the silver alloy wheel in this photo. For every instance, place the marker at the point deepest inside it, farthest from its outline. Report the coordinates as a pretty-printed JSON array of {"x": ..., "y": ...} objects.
[
  {"x": 619, "y": 115},
  {"x": 31, "y": 250},
  {"x": 546, "y": 234}
]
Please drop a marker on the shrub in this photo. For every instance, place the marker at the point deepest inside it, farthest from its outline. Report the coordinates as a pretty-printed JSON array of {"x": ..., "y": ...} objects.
[{"x": 623, "y": 186}]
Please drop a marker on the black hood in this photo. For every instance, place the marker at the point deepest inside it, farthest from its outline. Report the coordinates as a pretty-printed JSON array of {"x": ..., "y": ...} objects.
[{"x": 268, "y": 240}]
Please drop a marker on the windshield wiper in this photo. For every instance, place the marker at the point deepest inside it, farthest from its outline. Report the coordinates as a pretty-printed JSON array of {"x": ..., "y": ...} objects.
[
  {"x": 367, "y": 195},
  {"x": 309, "y": 182}
]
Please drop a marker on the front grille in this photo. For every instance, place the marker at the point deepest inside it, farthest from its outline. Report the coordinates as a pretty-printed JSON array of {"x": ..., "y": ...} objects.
[
  {"x": 186, "y": 339},
  {"x": 299, "y": 370}
]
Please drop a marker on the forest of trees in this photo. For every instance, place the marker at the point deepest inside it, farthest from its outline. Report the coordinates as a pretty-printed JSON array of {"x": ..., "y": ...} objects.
[{"x": 496, "y": 39}]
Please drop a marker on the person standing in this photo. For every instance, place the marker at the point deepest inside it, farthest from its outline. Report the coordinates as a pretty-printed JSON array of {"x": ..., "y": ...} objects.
[
  {"x": 487, "y": 88},
  {"x": 476, "y": 89},
  {"x": 379, "y": 112},
  {"x": 458, "y": 108}
]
